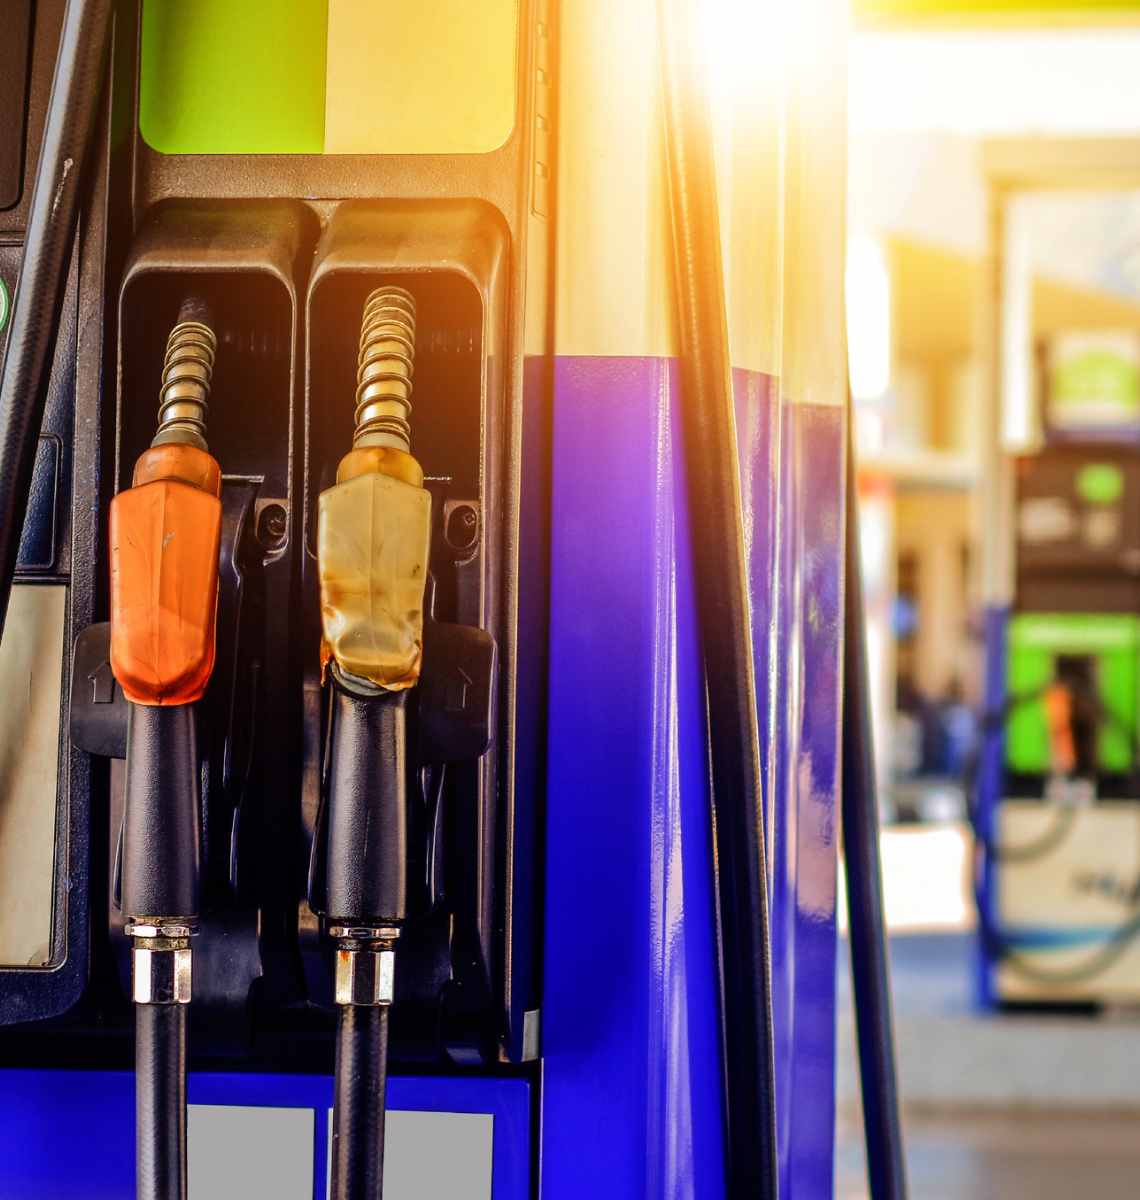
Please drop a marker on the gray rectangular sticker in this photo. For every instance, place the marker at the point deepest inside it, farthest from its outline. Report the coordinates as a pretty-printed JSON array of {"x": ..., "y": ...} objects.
[{"x": 435, "y": 1155}]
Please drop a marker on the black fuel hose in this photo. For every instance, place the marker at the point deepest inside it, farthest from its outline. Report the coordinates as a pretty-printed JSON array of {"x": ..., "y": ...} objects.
[
  {"x": 160, "y": 882},
  {"x": 366, "y": 888},
  {"x": 358, "y": 1110},
  {"x": 870, "y": 970},
  {"x": 64, "y": 152},
  {"x": 160, "y": 1101},
  {"x": 724, "y": 618}
]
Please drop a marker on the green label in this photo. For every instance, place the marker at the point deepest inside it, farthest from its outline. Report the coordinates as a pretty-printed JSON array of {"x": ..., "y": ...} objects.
[
  {"x": 1100, "y": 483},
  {"x": 233, "y": 76},
  {"x": 5, "y": 306},
  {"x": 1097, "y": 378}
]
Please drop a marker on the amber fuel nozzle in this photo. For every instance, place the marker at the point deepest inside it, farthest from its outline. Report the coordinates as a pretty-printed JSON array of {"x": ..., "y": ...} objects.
[{"x": 373, "y": 544}]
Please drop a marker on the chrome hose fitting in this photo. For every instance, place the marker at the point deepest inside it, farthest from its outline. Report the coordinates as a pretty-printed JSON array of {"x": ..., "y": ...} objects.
[
  {"x": 365, "y": 964},
  {"x": 184, "y": 400},
  {"x": 384, "y": 370},
  {"x": 161, "y": 962}
]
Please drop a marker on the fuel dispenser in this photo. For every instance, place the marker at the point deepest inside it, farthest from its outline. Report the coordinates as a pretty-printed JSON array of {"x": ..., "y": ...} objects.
[
  {"x": 286, "y": 816},
  {"x": 1059, "y": 922}
]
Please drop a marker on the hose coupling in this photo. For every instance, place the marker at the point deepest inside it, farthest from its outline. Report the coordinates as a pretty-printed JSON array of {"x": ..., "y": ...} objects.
[
  {"x": 365, "y": 964},
  {"x": 161, "y": 961}
]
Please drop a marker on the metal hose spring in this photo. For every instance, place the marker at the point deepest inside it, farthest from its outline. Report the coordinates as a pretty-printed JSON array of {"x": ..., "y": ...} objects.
[
  {"x": 384, "y": 369},
  {"x": 183, "y": 403}
]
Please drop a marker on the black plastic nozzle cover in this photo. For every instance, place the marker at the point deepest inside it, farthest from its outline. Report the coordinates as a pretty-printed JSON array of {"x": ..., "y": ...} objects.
[
  {"x": 161, "y": 826},
  {"x": 366, "y": 879}
]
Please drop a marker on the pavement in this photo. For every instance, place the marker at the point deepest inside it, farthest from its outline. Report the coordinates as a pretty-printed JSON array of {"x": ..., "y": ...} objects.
[
  {"x": 998, "y": 1105},
  {"x": 1026, "y": 1156},
  {"x": 951, "y": 1056}
]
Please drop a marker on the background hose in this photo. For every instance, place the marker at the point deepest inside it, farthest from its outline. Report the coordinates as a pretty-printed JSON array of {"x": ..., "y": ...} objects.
[
  {"x": 160, "y": 1101},
  {"x": 358, "y": 1108},
  {"x": 67, "y": 136},
  {"x": 1119, "y": 941},
  {"x": 870, "y": 972},
  {"x": 724, "y": 615}
]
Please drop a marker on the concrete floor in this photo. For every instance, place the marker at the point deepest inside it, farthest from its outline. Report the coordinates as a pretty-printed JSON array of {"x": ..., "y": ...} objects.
[
  {"x": 996, "y": 1106},
  {"x": 1034, "y": 1155},
  {"x": 951, "y": 1056}
]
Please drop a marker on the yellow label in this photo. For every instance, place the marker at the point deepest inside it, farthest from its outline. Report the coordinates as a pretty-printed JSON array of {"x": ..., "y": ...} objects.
[
  {"x": 435, "y": 78},
  {"x": 373, "y": 544}
]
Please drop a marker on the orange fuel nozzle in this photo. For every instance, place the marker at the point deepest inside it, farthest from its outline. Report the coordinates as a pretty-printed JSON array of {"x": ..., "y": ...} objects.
[
  {"x": 165, "y": 531},
  {"x": 1058, "y": 701}
]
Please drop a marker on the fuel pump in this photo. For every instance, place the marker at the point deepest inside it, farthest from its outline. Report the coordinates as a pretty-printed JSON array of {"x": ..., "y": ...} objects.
[
  {"x": 347, "y": 719},
  {"x": 373, "y": 548},
  {"x": 164, "y": 539}
]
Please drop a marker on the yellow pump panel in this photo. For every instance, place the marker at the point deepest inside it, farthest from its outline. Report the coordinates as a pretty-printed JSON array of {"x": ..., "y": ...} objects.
[{"x": 436, "y": 78}]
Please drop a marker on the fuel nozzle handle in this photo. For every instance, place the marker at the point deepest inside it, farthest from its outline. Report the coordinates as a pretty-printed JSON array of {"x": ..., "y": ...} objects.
[
  {"x": 373, "y": 545},
  {"x": 165, "y": 533}
]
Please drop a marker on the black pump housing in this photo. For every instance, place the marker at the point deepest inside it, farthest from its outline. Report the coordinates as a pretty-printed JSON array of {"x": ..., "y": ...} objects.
[{"x": 283, "y": 249}]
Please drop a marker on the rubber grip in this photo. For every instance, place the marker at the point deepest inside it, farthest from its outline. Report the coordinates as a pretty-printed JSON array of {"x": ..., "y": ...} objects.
[
  {"x": 367, "y": 880},
  {"x": 160, "y": 813}
]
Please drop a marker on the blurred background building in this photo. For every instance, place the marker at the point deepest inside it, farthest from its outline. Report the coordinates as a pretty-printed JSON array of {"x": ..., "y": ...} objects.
[{"x": 993, "y": 291}]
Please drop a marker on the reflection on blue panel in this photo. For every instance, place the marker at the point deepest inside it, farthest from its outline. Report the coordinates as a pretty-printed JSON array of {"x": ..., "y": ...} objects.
[
  {"x": 812, "y": 476},
  {"x": 631, "y": 1074},
  {"x": 791, "y": 459},
  {"x": 632, "y": 1100}
]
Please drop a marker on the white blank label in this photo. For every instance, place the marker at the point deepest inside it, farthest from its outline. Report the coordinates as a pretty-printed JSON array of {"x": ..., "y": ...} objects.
[{"x": 236, "y": 1153}]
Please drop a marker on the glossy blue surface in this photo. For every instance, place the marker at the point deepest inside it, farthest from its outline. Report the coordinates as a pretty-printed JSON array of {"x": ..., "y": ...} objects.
[
  {"x": 531, "y": 698},
  {"x": 95, "y": 1159},
  {"x": 804, "y": 771},
  {"x": 631, "y": 1101}
]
